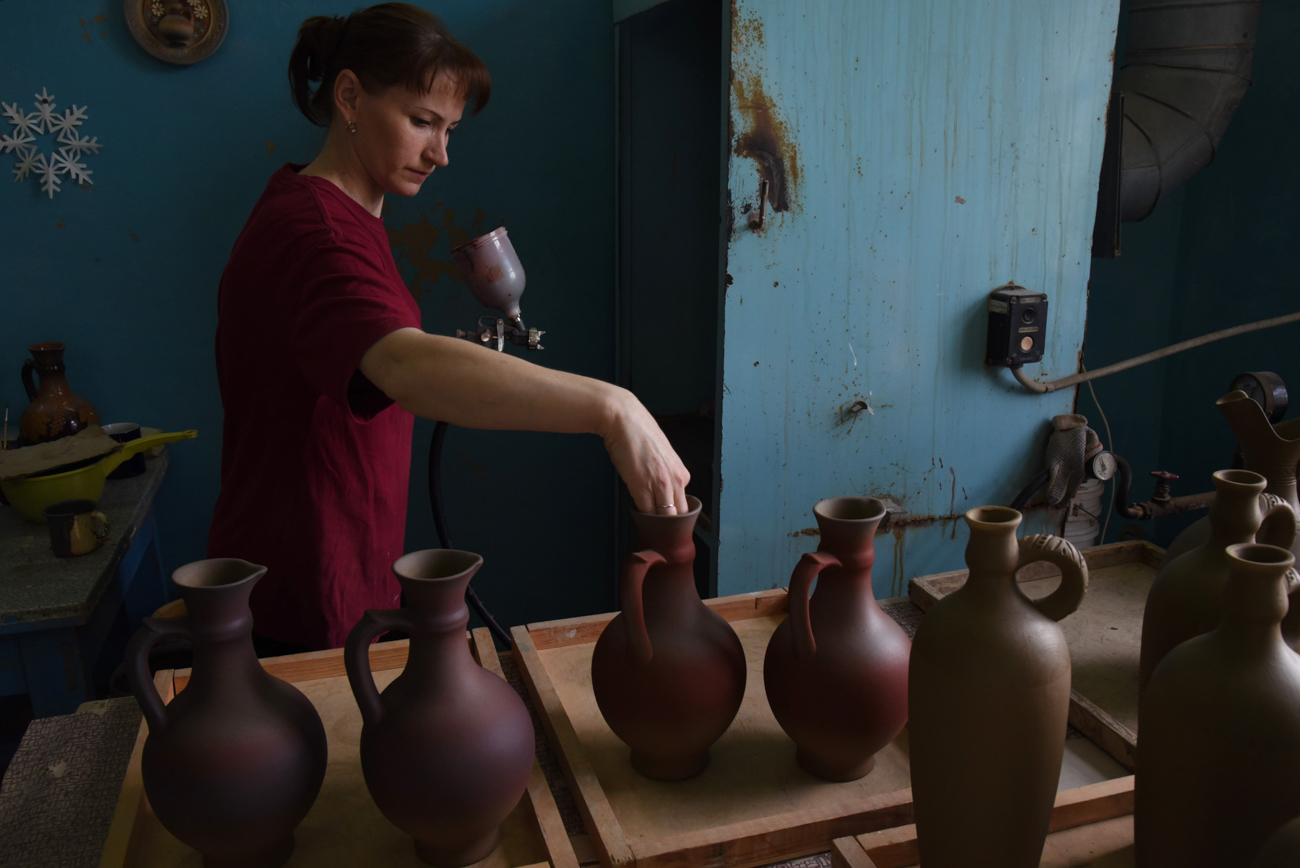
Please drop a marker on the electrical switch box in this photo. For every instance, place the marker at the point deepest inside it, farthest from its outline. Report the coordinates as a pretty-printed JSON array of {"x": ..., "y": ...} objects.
[{"x": 1017, "y": 326}]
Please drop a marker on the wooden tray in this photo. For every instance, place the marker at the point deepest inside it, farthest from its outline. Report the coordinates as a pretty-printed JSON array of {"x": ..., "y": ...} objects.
[
  {"x": 752, "y": 806},
  {"x": 1091, "y": 826},
  {"x": 1105, "y": 636},
  {"x": 344, "y": 828}
]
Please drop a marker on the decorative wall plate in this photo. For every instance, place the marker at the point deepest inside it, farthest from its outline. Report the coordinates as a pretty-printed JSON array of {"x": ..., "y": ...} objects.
[{"x": 177, "y": 31}]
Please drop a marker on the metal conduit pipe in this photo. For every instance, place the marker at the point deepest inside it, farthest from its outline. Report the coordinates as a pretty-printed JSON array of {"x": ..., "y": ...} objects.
[
  {"x": 1186, "y": 68},
  {"x": 1075, "y": 379}
]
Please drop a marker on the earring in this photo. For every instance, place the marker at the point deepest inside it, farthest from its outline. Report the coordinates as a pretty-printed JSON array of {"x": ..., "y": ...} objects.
[{"x": 352, "y": 126}]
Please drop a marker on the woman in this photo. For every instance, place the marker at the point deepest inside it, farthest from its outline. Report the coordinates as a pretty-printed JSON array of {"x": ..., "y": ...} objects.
[{"x": 320, "y": 356}]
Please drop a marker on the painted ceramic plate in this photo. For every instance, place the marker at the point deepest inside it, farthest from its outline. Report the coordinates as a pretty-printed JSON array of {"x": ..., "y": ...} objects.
[{"x": 177, "y": 31}]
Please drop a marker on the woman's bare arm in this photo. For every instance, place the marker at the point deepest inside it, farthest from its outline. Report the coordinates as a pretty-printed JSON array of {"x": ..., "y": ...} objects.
[{"x": 455, "y": 381}]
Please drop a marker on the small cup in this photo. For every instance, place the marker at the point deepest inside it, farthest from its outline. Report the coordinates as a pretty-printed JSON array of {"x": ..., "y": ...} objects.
[
  {"x": 75, "y": 527},
  {"x": 124, "y": 432}
]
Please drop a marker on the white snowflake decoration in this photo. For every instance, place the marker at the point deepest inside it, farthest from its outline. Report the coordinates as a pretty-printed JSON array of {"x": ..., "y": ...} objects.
[{"x": 47, "y": 120}]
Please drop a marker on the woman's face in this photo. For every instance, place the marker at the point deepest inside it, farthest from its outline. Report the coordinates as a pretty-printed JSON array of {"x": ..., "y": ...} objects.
[{"x": 402, "y": 135}]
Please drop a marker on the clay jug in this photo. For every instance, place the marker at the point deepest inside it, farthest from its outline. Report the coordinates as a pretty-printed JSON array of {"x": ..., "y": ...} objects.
[
  {"x": 55, "y": 410},
  {"x": 1282, "y": 850},
  {"x": 1218, "y": 763},
  {"x": 235, "y": 761},
  {"x": 836, "y": 668},
  {"x": 988, "y": 696},
  {"x": 1186, "y": 598},
  {"x": 447, "y": 748},
  {"x": 1272, "y": 451},
  {"x": 667, "y": 672}
]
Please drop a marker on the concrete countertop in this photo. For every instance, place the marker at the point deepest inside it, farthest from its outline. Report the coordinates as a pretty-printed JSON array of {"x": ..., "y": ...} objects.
[{"x": 36, "y": 586}]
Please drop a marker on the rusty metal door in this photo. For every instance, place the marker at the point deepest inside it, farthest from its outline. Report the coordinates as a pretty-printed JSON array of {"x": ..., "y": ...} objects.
[{"x": 891, "y": 162}]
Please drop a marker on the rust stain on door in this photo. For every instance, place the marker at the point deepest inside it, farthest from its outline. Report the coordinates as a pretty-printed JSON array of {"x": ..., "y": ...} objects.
[{"x": 765, "y": 138}]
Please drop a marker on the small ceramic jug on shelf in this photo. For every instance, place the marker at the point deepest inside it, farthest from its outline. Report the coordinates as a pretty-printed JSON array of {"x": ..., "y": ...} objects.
[
  {"x": 1186, "y": 598},
  {"x": 988, "y": 698},
  {"x": 668, "y": 673},
  {"x": 836, "y": 668},
  {"x": 1218, "y": 768},
  {"x": 55, "y": 410},
  {"x": 447, "y": 748},
  {"x": 1272, "y": 451},
  {"x": 232, "y": 765}
]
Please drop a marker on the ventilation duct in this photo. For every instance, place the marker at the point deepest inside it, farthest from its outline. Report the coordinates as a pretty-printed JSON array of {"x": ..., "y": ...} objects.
[{"x": 1186, "y": 68}]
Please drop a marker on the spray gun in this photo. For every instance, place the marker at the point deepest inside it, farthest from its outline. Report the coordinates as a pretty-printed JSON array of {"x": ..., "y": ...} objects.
[{"x": 490, "y": 266}]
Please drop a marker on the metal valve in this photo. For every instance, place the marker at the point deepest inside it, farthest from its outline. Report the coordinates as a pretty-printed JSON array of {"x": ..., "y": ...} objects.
[{"x": 1164, "y": 481}]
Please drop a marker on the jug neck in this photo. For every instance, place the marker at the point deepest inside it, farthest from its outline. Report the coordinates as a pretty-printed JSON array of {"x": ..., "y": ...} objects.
[
  {"x": 992, "y": 553},
  {"x": 1255, "y": 597},
  {"x": 1234, "y": 514},
  {"x": 439, "y": 619},
  {"x": 670, "y": 535},
  {"x": 848, "y": 530},
  {"x": 221, "y": 624}
]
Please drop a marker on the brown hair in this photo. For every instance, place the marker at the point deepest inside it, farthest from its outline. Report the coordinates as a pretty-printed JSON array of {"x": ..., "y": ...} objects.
[{"x": 388, "y": 44}]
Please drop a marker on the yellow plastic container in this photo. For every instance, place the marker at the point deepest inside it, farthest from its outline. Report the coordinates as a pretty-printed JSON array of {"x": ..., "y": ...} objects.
[{"x": 31, "y": 494}]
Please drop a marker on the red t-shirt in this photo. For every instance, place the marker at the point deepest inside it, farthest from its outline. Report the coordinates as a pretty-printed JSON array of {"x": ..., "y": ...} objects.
[{"x": 315, "y": 459}]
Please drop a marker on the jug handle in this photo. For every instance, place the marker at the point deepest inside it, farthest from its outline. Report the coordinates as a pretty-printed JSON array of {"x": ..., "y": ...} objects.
[
  {"x": 1291, "y": 623},
  {"x": 137, "y": 665},
  {"x": 29, "y": 384},
  {"x": 356, "y": 657},
  {"x": 1074, "y": 573},
  {"x": 806, "y": 571},
  {"x": 1278, "y": 526},
  {"x": 632, "y": 605}
]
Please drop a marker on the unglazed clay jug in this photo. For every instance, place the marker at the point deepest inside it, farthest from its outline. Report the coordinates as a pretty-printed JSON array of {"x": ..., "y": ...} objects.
[
  {"x": 1186, "y": 598},
  {"x": 1282, "y": 850},
  {"x": 1272, "y": 451},
  {"x": 988, "y": 695},
  {"x": 836, "y": 668},
  {"x": 667, "y": 672},
  {"x": 447, "y": 748},
  {"x": 1218, "y": 765},
  {"x": 235, "y": 761},
  {"x": 55, "y": 410}
]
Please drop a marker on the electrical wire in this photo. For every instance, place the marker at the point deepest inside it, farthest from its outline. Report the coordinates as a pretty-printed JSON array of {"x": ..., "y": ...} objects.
[
  {"x": 1110, "y": 447},
  {"x": 444, "y": 539},
  {"x": 1055, "y": 385}
]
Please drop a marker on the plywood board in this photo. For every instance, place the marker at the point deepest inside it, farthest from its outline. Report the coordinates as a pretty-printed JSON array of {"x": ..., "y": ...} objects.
[
  {"x": 753, "y": 805},
  {"x": 1091, "y": 826},
  {"x": 344, "y": 827}
]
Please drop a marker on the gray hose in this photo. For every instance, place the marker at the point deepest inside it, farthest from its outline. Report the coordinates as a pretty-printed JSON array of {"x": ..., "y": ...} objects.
[
  {"x": 1186, "y": 68},
  {"x": 1074, "y": 380}
]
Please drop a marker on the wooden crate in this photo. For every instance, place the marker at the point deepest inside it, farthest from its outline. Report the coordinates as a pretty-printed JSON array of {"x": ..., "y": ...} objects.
[
  {"x": 1104, "y": 635},
  {"x": 1091, "y": 826},
  {"x": 344, "y": 828},
  {"x": 752, "y": 806}
]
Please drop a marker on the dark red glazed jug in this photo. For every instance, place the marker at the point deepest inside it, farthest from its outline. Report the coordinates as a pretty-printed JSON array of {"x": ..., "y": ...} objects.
[
  {"x": 447, "y": 749},
  {"x": 236, "y": 760},
  {"x": 668, "y": 673},
  {"x": 836, "y": 669}
]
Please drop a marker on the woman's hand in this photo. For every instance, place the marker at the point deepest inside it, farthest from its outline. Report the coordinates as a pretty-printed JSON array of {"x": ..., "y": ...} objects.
[{"x": 655, "y": 476}]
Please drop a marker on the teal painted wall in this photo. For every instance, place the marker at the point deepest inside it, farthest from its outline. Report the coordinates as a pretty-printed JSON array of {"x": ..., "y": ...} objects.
[
  {"x": 1221, "y": 252},
  {"x": 943, "y": 148},
  {"x": 126, "y": 272}
]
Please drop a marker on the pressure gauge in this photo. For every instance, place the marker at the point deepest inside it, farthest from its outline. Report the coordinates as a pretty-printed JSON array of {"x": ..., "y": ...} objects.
[
  {"x": 1266, "y": 389},
  {"x": 1103, "y": 465}
]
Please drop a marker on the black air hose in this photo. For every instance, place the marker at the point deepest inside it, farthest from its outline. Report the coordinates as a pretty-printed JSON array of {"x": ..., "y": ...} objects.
[
  {"x": 1186, "y": 68},
  {"x": 444, "y": 539}
]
